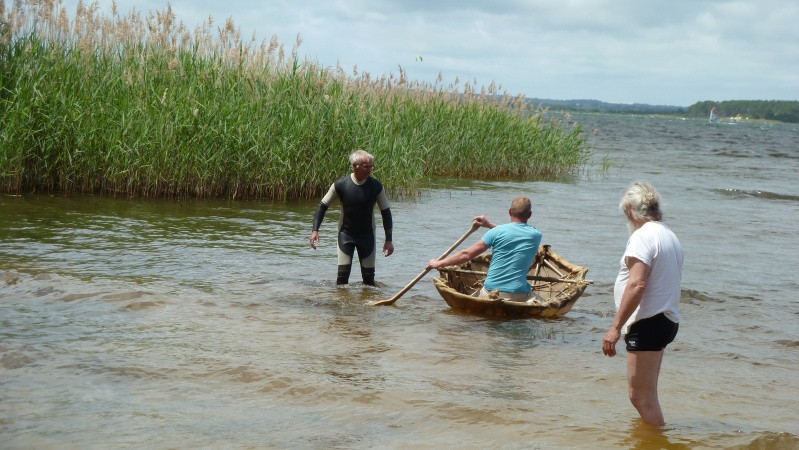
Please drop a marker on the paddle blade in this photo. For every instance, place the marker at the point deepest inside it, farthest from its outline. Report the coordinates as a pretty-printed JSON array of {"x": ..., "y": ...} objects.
[
  {"x": 386, "y": 302},
  {"x": 393, "y": 299}
]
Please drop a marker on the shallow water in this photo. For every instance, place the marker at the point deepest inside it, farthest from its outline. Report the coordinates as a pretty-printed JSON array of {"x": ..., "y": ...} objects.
[{"x": 212, "y": 324}]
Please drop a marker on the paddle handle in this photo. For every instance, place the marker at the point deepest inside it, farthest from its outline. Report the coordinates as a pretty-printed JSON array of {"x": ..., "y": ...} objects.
[
  {"x": 474, "y": 228},
  {"x": 399, "y": 294}
]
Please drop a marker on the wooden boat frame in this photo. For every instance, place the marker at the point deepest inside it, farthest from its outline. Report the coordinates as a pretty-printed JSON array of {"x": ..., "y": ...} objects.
[{"x": 558, "y": 282}]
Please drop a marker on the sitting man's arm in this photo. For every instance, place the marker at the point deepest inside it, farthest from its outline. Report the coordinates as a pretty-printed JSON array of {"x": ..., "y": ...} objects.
[{"x": 458, "y": 258}]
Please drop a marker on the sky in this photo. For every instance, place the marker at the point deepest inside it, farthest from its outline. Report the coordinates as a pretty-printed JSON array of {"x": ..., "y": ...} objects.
[{"x": 659, "y": 52}]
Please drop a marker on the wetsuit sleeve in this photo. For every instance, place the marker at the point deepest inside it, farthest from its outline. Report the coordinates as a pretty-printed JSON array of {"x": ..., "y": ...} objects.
[
  {"x": 388, "y": 224},
  {"x": 319, "y": 216},
  {"x": 323, "y": 205},
  {"x": 385, "y": 212}
]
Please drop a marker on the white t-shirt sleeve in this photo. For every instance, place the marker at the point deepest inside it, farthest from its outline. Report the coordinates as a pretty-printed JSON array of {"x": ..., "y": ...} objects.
[{"x": 641, "y": 249}]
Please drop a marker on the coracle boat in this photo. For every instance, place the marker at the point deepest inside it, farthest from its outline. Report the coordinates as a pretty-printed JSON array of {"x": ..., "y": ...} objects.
[{"x": 557, "y": 282}]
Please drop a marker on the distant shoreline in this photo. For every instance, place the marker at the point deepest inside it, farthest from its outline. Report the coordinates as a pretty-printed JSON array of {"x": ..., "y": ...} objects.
[
  {"x": 725, "y": 120},
  {"x": 782, "y": 111}
]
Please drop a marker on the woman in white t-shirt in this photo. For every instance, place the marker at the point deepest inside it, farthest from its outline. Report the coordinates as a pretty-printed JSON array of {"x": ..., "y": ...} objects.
[{"x": 647, "y": 295}]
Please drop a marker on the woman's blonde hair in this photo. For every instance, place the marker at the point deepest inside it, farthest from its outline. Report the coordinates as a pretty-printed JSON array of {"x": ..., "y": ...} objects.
[{"x": 644, "y": 201}]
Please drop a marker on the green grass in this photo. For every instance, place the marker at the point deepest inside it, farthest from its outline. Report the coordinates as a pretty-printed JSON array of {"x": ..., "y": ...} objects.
[{"x": 125, "y": 105}]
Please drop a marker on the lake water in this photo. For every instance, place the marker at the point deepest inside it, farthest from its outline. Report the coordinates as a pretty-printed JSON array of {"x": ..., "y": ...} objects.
[{"x": 212, "y": 324}]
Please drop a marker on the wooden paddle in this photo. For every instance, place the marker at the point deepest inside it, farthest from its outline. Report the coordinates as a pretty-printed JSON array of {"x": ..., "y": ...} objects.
[{"x": 393, "y": 299}]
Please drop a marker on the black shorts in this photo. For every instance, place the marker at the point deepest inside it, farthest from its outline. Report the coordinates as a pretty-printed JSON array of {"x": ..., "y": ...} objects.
[{"x": 652, "y": 334}]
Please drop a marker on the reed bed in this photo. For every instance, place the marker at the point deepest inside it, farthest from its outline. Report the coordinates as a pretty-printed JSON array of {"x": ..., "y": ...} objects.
[{"x": 143, "y": 106}]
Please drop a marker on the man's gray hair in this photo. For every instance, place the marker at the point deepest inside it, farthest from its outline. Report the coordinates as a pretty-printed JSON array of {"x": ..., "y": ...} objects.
[
  {"x": 644, "y": 200},
  {"x": 359, "y": 155}
]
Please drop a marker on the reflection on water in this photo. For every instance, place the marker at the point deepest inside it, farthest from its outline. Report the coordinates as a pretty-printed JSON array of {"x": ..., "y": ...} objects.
[
  {"x": 163, "y": 324},
  {"x": 642, "y": 436}
]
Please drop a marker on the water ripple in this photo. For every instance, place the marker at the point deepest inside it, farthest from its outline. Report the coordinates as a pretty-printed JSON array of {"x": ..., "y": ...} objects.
[{"x": 740, "y": 193}]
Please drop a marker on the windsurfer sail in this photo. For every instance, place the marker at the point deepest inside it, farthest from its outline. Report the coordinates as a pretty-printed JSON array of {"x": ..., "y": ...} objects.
[{"x": 713, "y": 116}]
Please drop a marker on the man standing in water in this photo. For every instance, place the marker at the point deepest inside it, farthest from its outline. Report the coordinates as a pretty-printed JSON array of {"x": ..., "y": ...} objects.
[
  {"x": 514, "y": 246},
  {"x": 647, "y": 295},
  {"x": 358, "y": 193}
]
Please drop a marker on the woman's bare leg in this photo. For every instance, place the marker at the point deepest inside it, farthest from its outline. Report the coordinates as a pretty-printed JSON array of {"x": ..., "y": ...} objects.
[{"x": 643, "y": 369}]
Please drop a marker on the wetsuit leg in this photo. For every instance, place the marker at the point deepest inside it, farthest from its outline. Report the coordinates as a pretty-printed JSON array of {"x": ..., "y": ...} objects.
[
  {"x": 368, "y": 275},
  {"x": 346, "y": 248},
  {"x": 366, "y": 246},
  {"x": 343, "y": 276}
]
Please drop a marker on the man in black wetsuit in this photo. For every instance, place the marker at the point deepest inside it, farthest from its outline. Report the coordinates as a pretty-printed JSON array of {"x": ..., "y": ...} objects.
[{"x": 358, "y": 193}]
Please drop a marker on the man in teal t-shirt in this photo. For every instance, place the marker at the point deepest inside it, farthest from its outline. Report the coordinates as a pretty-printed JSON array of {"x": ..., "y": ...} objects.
[{"x": 513, "y": 245}]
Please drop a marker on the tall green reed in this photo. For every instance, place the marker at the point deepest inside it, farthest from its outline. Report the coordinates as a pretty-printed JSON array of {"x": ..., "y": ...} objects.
[{"x": 134, "y": 106}]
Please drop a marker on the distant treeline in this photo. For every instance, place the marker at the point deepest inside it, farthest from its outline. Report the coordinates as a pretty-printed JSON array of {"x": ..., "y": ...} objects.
[
  {"x": 596, "y": 106},
  {"x": 777, "y": 110}
]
